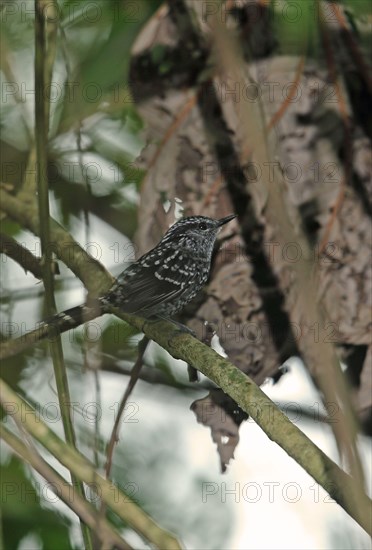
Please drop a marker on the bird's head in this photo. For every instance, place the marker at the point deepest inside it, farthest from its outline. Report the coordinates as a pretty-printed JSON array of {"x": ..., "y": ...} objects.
[{"x": 196, "y": 233}]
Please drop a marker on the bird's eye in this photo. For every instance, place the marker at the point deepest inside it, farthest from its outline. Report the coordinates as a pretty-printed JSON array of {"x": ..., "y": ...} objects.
[{"x": 203, "y": 226}]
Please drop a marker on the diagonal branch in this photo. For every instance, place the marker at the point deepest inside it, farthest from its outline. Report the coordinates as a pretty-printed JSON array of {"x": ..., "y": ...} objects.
[
  {"x": 114, "y": 438},
  {"x": 91, "y": 272},
  {"x": 230, "y": 379},
  {"x": 20, "y": 254},
  {"x": 134, "y": 375},
  {"x": 45, "y": 49},
  {"x": 276, "y": 425},
  {"x": 82, "y": 468},
  {"x": 65, "y": 491}
]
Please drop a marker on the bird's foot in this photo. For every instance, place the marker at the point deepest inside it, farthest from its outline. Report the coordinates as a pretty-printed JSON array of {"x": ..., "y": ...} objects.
[{"x": 180, "y": 327}]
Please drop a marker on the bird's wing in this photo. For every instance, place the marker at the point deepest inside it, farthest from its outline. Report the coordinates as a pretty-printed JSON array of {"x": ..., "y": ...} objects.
[{"x": 147, "y": 284}]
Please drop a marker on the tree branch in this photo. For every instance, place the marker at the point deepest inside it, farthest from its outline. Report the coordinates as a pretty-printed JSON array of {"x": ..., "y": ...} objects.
[
  {"x": 228, "y": 377},
  {"x": 338, "y": 484},
  {"x": 82, "y": 468},
  {"x": 91, "y": 272},
  {"x": 45, "y": 49},
  {"x": 266, "y": 414},
  {"x": 23, "y": 256},
  {"x": 66, "y": 492}
]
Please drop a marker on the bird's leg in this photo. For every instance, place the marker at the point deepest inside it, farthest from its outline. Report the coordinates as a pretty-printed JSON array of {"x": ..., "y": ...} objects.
[
  {"x": 192, "y": 372},
  {"x": 180, "y": 326}
]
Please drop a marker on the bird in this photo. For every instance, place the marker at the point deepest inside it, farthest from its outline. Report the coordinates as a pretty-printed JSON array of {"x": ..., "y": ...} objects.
[
  {"x": 169, "y": 276},
  {"x": 160, "y": 283}
]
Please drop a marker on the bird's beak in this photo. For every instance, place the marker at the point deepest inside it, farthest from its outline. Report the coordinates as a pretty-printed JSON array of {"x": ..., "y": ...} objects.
[{"x": 222, "y": 221}]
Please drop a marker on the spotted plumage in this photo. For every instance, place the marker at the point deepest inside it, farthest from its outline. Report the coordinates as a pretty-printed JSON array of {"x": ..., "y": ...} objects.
[
  {"x": 168, "y": 277},
  {"x": 162, "y": 281}
]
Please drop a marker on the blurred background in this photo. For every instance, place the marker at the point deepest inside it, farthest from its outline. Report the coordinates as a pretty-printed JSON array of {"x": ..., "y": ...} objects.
[{"x": 121, "y": 168}]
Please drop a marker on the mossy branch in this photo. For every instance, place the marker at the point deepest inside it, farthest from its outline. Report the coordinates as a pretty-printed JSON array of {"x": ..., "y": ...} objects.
[
  {"x": 45, "y": 49},
  {"x": 230, "y": 379},
  {"x": 66, "y": 492},
  {"x": 338, "y": 484},
  {"x": 83, "y": 469},
  {"x": 92, "y": 273}
]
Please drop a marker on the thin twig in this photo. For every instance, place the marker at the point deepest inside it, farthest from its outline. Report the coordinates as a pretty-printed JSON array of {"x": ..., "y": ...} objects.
[
  {"x": 45, "y": 49},
  {"x": 335, "y": 79},
  {"x": 84, "y": 469},
  {"x": 65, "y": 491},
  {"x": 92, "y": 273},
  {"x": 20, "y": 254},
  {"x": 330, "y": 378},
  {"x": 114, "y": 438},
  {"x": 132, "y": 382}
]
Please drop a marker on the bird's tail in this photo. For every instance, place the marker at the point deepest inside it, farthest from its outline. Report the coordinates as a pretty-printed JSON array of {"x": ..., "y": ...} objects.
[
  {"x": 72, "y": 318},
  {"x": 50, "y": 328}
]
